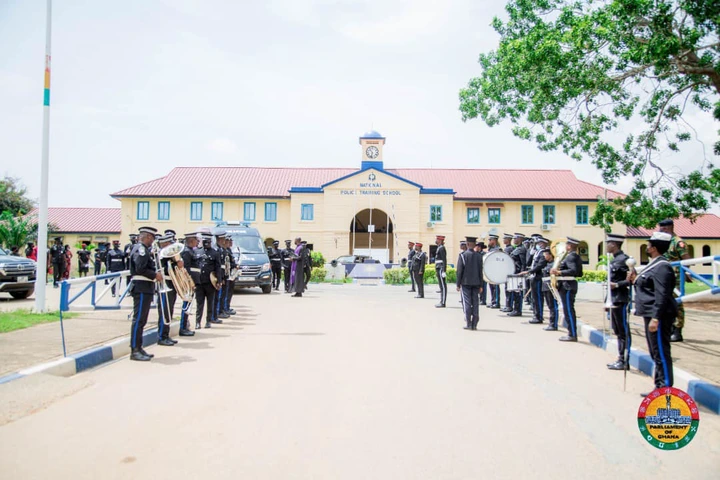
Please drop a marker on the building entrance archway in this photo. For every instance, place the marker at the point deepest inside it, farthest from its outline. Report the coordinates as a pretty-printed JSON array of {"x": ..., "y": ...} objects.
[{"x": 371, "y": 233}]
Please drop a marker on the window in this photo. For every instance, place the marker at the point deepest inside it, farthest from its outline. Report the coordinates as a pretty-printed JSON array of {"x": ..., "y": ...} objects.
[
  {"x": 549, "y": 214},
  {"x": 249, "y": 212},
  {"x": 644, "y": 259},
  {"x": 706, "y": 253},
  {"x": 271, "y": 212},
  {"x": 307, "y": 211},
  {"x": 436, "y": 213},
  {"x": 584, "y": 252},
  {"x": 527, "y": 214},
  {"x": 473, "y": 215},
  {"x": 99, "y": 240},
  {"x": 163, "y": 210},
  {"x": 216, "y": 211},
  {"x": 494, "y": 216},
  {"x": 195, "y": 210},
  {"x": 143, "y": 210},
  {"x": 691, "y": 250},
  {"x": 581, "y": 215}
]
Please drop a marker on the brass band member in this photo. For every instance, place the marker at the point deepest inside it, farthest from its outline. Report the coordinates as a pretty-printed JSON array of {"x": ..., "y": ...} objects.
[
  {"x": 440, "y": 268},
  {"x": 144, "y": 275},
  {"x": 166, "y": 305},
  {"x": 570, "y": 269},
  {"x": 193, "y": 267}
]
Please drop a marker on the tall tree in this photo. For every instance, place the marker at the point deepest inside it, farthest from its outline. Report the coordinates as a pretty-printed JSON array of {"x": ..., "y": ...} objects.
[
  {"x": 575, "y": 76},
  {"x": 13, "y": 197}
]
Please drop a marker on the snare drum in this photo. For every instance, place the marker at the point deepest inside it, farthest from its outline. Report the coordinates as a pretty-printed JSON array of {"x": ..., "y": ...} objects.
[
  {"x": 497, "y": 266},
  {"x": 515, "y": 283}
]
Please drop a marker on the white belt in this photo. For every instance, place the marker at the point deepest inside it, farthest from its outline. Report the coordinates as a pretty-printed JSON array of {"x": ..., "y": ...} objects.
[
  {"x": 141, "y": 278},
  {"x": 196, "y": 270},
  {"x": 439, "y": 261},
  {"x": 116, "y": 260},
  {"x": 562, "y": 279}
]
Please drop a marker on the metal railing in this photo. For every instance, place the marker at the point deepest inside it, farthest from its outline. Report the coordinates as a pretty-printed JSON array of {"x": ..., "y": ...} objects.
[{"x": 713, "y": 286}]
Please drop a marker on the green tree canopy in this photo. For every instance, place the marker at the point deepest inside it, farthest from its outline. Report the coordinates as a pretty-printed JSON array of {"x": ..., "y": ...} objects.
[
  {"x": 13, "y": 197},
  {"x": 575, "y": 75}
]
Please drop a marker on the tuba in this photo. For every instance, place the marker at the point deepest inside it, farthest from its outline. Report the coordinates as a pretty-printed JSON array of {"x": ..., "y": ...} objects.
[
  {"x": 183, "y": 283},
  {"x": 560, "y": 253}
]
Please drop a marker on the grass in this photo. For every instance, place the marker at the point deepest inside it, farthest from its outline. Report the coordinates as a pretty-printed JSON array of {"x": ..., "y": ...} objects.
[
  {"x": 695, "y": 287},
  {"x": 19, "y": 319}
]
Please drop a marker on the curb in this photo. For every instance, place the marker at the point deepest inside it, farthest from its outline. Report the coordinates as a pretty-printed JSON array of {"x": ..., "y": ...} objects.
[
  {"x": 704, "y": 393},
  {"x": 87, "y": 359}
]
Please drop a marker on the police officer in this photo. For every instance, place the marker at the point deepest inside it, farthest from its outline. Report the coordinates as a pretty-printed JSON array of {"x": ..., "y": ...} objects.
[
  {"x": 569, "y": 270},
  {"x": 166, "y": 299},
  {"x": 192, "y": 266},
  {"x": 128, "y": 249},
  {"x": 535, "y": 270},
  {"x": 275, "y": 263},
  {"x": 218, "y": 313},
  {"x": 480, "y": 248},
  {"x": 410, "y": 257},
  {"x": 440, "y": 269},
  {"x": 229, "y": 284},
  {"x": 98, "y": 261},
  {"x": 494, "y": 289},
  {"x": 654, "y": 302},
  {"x": 469, "y": 278},
  {"x": 463, "y": 247},
  {"x": 508, "y": 248},
  {"x": 115, "y": 262},
  {"x": 208, "y": 260},
  {"x": 550, "y": 300},
  {"x": 57, "y": 257},
  {"x": 418, "y": 269},
  {"x": 285, "y": 255},
  {"x": 144, "y": 276},
  {"x": 518, "y": 254},
  {"x": 678, "y": 250},
  {"x": 620, "y": 296}
]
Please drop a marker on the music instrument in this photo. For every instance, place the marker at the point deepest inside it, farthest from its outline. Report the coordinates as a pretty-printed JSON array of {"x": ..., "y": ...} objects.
[
  {"x": 515, "y": 282},
  {"x": 179, "y": 276},
  {"x": 497, "y": 266},
  {"x": 213, "y": 279},
  {"x": 560, "y": 254}
]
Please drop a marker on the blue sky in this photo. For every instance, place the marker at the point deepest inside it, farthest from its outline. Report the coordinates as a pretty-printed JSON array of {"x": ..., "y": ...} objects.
[{"x": 142, "y": 86}]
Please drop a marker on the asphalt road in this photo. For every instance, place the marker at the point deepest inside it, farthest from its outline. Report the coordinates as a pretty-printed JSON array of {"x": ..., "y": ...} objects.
[{"x": 350, "y": 382}]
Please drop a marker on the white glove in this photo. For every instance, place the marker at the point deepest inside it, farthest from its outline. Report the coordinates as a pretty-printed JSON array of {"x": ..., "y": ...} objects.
[{"x": 443, "y": 275}]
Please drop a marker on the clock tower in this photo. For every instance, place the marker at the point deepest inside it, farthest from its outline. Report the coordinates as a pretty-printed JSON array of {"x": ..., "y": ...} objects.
[{"x": 371, "y": 144}]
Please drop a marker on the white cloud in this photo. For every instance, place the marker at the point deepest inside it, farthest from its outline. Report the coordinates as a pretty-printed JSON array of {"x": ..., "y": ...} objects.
[{"x": 222, "y": 145}]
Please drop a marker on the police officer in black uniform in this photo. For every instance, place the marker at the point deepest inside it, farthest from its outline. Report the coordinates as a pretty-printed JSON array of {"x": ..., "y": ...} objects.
[
  {"x": 229, "y": 284},
  {"x": 569, "y": 270},
  {"x": 193, "y": 268},
  {"x": 128, "y": 249},
  {"x": 550, "y": 300},
  {"x": 144, "y": 276},
  {"x": 518, "y": 254},
  {"x": 209, "y": 261},
  {"x": 508, "y": 248},
  {"x": 115, "y": 262},
  {"x": 480, "y": 248},
  {"x": 57, "y": 256},
  {"x": 418, "y": 269},
  {"x": 494, "y": 289},
  {"x": 440, "y": 269},
  {"x": 285, "y": 255},
  {"x": 654, "y": 302},
  {"x": 98, "y": 261},
  {"x": 275, "y": 263},
  {"x": 218, "y": 314},
  {"x": 620, "y": 296},
  {"x": 167, "y": 299},
  {"x": 537, "y": 264},
  {"x": 410, "y": 257},
  {"x": 469, "y": 279}
]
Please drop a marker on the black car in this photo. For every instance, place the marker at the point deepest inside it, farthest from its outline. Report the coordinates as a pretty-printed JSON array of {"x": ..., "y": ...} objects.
[{"x": 17, "y": 275}]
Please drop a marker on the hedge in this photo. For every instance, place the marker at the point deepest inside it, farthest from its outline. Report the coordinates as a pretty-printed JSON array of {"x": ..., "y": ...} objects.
[
  {"x": 318, "y": 274},
  {"x": 399, "y": 276},
  {"x": 594, "y": 276}
]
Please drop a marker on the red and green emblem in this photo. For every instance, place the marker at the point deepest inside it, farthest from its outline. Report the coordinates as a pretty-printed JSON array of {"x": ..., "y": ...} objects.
[{"x": 668, "y": 418}]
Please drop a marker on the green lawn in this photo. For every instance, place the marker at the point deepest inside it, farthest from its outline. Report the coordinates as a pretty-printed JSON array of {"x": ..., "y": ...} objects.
[
  {"x": 19, "y": 319},
  {"x": 695, "y": 287}
]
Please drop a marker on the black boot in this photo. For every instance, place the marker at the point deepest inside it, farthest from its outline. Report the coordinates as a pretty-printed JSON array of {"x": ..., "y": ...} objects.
[
  {"x": 676, "y": 335},
  {"x": 619, "y": 365},
  {"x": 139, "y": 356},
  {"x": 186, "y": 333},
  {"x": 165, "y": 342},
  {"x": 198, "y": 325},
  {"x": 146, "y": 353}
]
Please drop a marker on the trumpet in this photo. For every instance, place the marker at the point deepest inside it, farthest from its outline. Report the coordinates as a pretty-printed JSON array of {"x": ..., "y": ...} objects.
[
  {"x": 560, "y": 253},
  {"x": 180, "y": 278}
]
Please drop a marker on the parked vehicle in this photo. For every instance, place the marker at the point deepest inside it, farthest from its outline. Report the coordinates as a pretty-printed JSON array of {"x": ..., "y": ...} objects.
[
  {"x": 250, "y": 254},
  {"x": 17, "y": 275}
]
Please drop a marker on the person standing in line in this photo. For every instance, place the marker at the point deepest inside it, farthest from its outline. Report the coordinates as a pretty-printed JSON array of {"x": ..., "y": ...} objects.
[
  {"x": 441, "y": 268},
  {"x": 469, "y": 279},
  {"x": 419, "y": 262},
  {"x": 208, "y": 260},
  {"x": 285, "y": 255},
  {"x": 410, "y": 257},
  {"x": 620, "y": 296},
  {"x": 144, "y": 276},
  {"x": 297, "y": 276},
  {"x": 193, "y": 268},
  {"x": 508, "y": 248},
  {"x": 550, "y": 299},
  {"x": 57, "y": 255},
  {"x": 83, "y": 260},
  {"x": 537, "y": 264},
  {"x": 518, "y": 254},
  {"x": 570, "y": 269},
  {"x": 494, "y": 289},
  {"x": 115, "y": 262},
  {"x": 480, "y": 248},
  {"x": 275, "y": 264}
]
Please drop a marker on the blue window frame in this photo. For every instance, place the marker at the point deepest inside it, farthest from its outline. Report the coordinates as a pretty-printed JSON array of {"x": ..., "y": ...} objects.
[
  {"x": 271, "y": 212},
  {"x": 195, "y": 210},
  {"x": 473, "y": 215},
  {"x": 549, "y": 214},
  {"x": 143, "y": 210},
  {"x": 493, "y": 216},
  {"x": 163, "y": 210},
  {"x": 582, "y": 215},
  {"x": 527, "y": 214},
  {"x": 249, "y": 212},
  {"x": 307, "y": 211},
  {"x": 436, "y": 213},
  {"x": 216, "y": 211}
]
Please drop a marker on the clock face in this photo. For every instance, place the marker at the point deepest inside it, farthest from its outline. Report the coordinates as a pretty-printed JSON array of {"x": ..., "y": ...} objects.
[{"x": 372, "y": 152}]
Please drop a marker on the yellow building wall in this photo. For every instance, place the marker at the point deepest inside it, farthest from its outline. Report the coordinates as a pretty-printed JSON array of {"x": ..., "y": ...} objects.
[{"x": 633, "y": 246}]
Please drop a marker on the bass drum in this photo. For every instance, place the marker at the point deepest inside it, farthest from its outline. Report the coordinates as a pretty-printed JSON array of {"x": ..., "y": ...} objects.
[{"x": 497, "y": 266}]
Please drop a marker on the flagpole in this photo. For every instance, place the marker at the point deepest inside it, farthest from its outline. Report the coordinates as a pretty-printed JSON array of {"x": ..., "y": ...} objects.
[{"x": 41, "y": 280}]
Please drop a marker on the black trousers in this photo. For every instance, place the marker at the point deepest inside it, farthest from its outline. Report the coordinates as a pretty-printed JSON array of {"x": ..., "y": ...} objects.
[
  {"x": 184, "y": 316},
  {"x": 141, "y": 309},
  {"x": 516, "y": 299},
  {"x": 119, "y": 282},
  {"x": 483, "y": 292},
  {"x": 470, "y": 305},
  {"x": 536, "y": 294},
  {"x": 659, "y": 346},
  {"x": 165, "y": 307},
  {"x": 204, "y": 294},
  {"x": 412, "y": 278},
  {"x": 276, "y": 273},
  {"x": 621, "y": 328},
  {"x": 286, "y": 278},
  {"x": 495, "y": 295},
  {"x": 508, "y": 299},
  {"x": 420, "y": 283},
  {"x": 552, "y": 305},
  {"x": 97, "y": 268},
  {"x": 58, "y": 271},
  {"x": 442, "y": 282},
  {"x": 568, "y": 303},
  {"x": 230, "y": 286},
  {"x": 307, "y": 272}
]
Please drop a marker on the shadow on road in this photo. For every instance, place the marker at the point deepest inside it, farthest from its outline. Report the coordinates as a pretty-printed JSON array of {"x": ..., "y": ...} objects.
[
  {"x": 174, "y": 360},
  {"x": 490, "y": 330}
]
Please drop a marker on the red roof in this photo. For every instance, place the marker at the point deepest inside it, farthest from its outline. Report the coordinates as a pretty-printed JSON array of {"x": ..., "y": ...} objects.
[
  {"x": 705, "y": 226},
  {"x": 83, "y": 220},
  {"x": 275, "y": 182}
]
